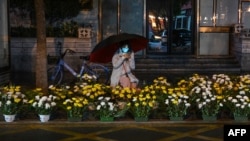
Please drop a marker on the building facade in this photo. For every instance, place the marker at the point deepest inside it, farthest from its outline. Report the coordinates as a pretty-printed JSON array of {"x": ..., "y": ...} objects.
[{"x": 196, "y": 28}]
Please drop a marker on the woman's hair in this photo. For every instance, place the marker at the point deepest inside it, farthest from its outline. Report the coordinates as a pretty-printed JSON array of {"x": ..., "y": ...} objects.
[{"x": 125, "y": 47}]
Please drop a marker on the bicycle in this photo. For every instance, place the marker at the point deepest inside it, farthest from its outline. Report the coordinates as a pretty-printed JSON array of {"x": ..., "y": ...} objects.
[{"x": 56, "y": 73}]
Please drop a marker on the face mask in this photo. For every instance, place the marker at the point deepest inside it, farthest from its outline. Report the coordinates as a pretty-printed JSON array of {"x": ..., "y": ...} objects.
[{"x": 125, "y": 49}]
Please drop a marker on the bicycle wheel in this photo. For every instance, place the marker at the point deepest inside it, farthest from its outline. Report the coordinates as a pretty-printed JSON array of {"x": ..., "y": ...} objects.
[
  {"x": 55, "y": 75},
  {"x": 100, "y": 71}
]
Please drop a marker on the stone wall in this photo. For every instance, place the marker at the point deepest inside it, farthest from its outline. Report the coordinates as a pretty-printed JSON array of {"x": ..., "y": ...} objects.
[{"x": 23, "y": 52}]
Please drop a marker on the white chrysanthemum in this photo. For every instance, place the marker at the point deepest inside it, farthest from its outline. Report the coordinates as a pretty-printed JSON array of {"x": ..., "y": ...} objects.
[
  {"x": 208, "y": 92},
  {"x": 203, "y": 93},
  {"x": 9, "y": 93},
  {"x": 222, "y": 81},
  {"x": 100, "y": 98},
  {"x": 200, "y": 106},
  {"x": 107, "y": 98},
  {"x": 98, "y": 107},
  {"x": 51, "y": 86},
  {"x": 187, "y": 104},
  {"x": 8, "y": 102},
  {"x": 44, "y": 98},
  {"x": 37, "y": 97},
  {"x": 221, "y": 105},
  {"x": 68, "y": 100},
  {"x": 111, "y": 107},
  {"x": 49, "y": 99},
  {"x": 34, "y": 104},
  {"x": 237, "y": 105},
  {"x": 179, "y": 100},
  {"x": 25, "y": 100},
  {"x": 230, "y": 98},
  {"x": 167, "y": 101},
  {"x": 88, "y": 94},
  {"x": 94, "y": 77},
  {"x": 208, "y": 100},
  {"x": 242, "y": 106},
  {"x": 213, "y": 98},
  {"x": 18, "y": 93},
  {"x": 242, "y": 92},
  {"x": 110, "y": 103},
  {"x": 47, "y": 106},
  {"x": 40, "y": 104},
  {"x": 134, "y": 99},
  {"x": 103, "y": 103},
  {"x": 53, "y": 104},
  {"x": 246, "y": 98},
  {"x": 238, "y": 96},
  {"x": 204, "y": 97},
  {"x": 234, "y": 100},
  {"x": 242, "y": 100}
]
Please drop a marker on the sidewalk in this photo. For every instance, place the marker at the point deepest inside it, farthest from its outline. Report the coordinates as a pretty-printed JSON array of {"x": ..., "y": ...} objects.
[{"x": 118, "y": 130}]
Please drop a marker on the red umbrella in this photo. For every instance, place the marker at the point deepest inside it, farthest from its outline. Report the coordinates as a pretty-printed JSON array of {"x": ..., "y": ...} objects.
[{"x": 104, "y": 50}]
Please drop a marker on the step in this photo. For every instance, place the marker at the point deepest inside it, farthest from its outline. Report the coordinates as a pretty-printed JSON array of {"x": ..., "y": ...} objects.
[{"x": 177, "y": 64}]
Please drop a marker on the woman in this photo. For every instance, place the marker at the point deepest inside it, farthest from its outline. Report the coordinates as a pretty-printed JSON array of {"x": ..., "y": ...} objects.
[{"x": 123, "y": 62}]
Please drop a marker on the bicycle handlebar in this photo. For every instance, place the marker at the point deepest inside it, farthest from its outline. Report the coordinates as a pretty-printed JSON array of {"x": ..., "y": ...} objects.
[{"x": 67, "y": 50}]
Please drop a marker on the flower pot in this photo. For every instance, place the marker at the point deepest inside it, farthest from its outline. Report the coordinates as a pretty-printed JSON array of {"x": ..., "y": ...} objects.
[
  {"x": 44, "y": 118},
  {"x": 141, "y": 119},
  {"x": 240, "y": 118},
  {"x": 209, "y": 118},
  {"x": 176, "y": 118},
  {"x": 9, "y": 118},
  {"x": 106, "y": 119}
]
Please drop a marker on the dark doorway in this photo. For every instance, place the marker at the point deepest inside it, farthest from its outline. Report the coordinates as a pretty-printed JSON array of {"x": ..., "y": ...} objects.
[{"x": 170, "y": 26}]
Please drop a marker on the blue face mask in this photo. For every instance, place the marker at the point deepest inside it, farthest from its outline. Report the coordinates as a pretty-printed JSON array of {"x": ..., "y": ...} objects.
[{"x": 125, "y": 49}]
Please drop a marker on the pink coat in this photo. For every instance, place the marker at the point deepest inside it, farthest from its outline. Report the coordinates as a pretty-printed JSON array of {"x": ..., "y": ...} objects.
[{"x": 121, "y": 66}]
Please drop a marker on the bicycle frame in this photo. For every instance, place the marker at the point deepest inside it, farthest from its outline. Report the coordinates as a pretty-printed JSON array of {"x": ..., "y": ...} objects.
[
  {"x": 57, "y": 72},
  {"x": 72, "y": 71}
]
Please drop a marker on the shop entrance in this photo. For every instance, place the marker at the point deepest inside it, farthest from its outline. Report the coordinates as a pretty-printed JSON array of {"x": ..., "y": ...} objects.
[{"x": 170, "y": 26}]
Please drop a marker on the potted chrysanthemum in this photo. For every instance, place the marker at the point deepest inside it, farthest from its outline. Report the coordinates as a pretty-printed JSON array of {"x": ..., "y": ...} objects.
[
  {"x": 122, "y": 96},
  {"x": 75, "y": 107},
  {"x": 106, "y": 108},
  {"x": 239, "y": 100},
  {"x": 206, "y": 99},
  {"x": 177, "y": 103},
  {"x": 43, "y": 105},
  {"x": 11, "y": 101},
  {"x": 239, "y": 105},
  {"x": 142, "y": 104}
]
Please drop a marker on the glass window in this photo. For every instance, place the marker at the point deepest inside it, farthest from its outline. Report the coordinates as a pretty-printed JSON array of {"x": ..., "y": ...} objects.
[
  {"x": 206, "y": 12},
  {"x": 246, "y": 14},
  {"x": 226, "y": 14},
  {"x": 109, "y": 20}
]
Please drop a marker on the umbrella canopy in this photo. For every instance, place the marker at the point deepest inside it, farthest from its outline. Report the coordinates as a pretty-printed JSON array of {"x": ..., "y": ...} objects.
[{"x": 104, "y": 50}]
